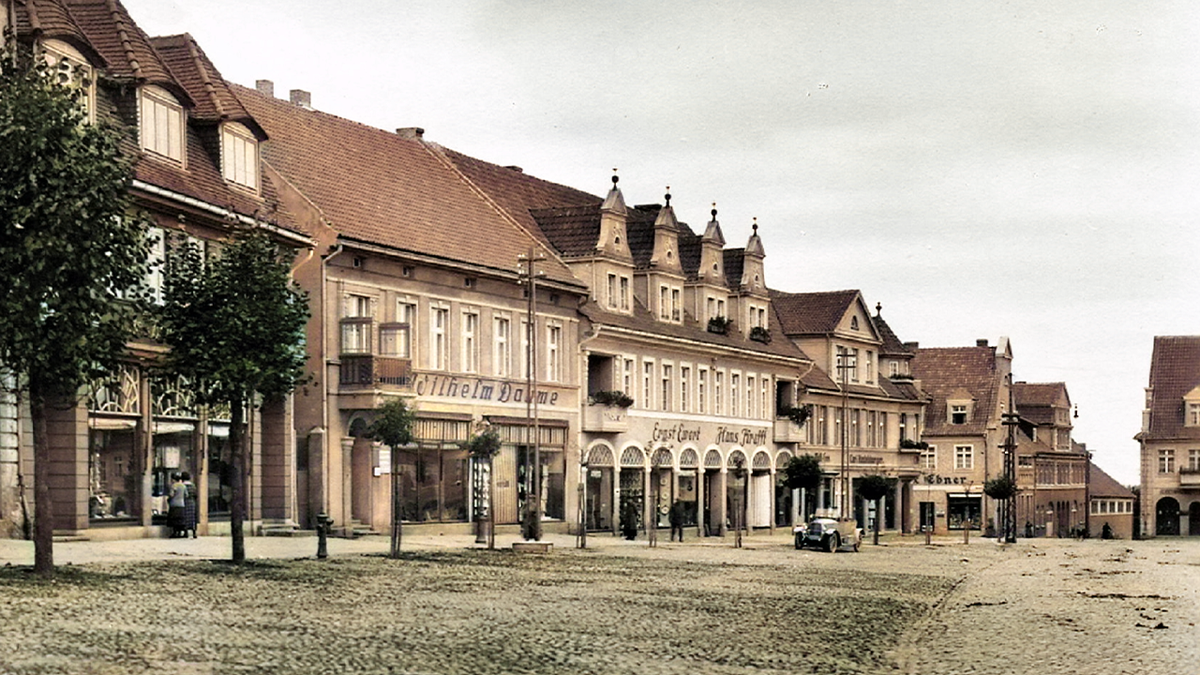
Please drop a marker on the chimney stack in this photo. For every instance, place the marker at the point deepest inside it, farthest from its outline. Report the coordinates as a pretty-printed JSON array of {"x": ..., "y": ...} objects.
[
  {"x": 302, "y": 98},
  {"x": 981, "y": 342},
  {"x": 411, "y": 133},
  {"x": 265, "y": 87},
  {"x": 912, "y": 346}
]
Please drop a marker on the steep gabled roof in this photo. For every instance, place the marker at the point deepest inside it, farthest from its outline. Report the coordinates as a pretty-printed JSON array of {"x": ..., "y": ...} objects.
[
  {"x": 1174, "y": 372},
  {"x": 215, "y": 102},
  {"x": 812, "y": 313},
  {"x": 382, "y": 188},
  {"x": 892, "y": 346},
  {"x": 946, "y": 370},
  {"x": 1103, "y": 486},
  {"x": 51, "y": 20},
  {"x": 1035, "y": 401}
]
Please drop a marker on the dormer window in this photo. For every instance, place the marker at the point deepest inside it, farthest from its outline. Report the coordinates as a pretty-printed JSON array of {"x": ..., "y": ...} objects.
[
  {"x": 239, "y": 156},
  {"x": 958, "y": 413},
  {"x": 162, "y": 123},
  {"x": 74, "y": 71},
  {"x": 1193, "y": 415}
]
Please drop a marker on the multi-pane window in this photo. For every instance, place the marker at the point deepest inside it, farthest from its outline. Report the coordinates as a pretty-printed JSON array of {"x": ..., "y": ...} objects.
[
  {"x": 964, "y": 457},
  {"x": 856, "y": 428},
  {"x": 764, "y": 403},
  {"x": 903, "y": 426},
  {"x": 735, "y": 383},
  {"x": 720, "y": 307},
  {"x": 1166, "y": 461},
  {"x": 624, "y": 293},
  {"x": 750, "y": 391},
  {"x": 710, "y": 307},
  {"x": 958, "y": 414},
  {"x": 357, "y": 325},
  {"x": 847, "y": 364},
  {"x": 648, "y": 384},
  {"x": 685, "y": 381},
  {"x": 718, "y": 392},
  {"x": 665, "y": 400},
  {"x": 1194, "y": 459},
  {"x": 439, "y": 318},
  {"x": 502, "y": 346},
  {"x": 702, "y": 391},
  {"x": 871, "y": 428},
  {"x": 870, "y": 366},
  {"x": 929, "y": 457},
  {"x": 613, "y": 301},
  {"x": 525, "y": 361},
  {"x": 73, "y": 70},
  {"x": 893, "y": 368},
  {"x": 882, "y": 430},
  {"x": 676, "y": 305},
  {"x": 664, "y": 307},
  {"x": 239, "y": 156},
  {"x": 554, "y": 353},
  {"x": 470, "y": 342},
  {"x": 162, "y": 126},
  {"x": 1193, "y": 415},
  {"x": 627, "y": 377},
  {"x": 395, "y": 339}
]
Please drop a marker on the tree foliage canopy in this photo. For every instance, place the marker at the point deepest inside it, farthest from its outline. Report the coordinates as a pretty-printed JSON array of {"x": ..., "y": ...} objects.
[
  {"x": 875, "y": 486},
  {"x": 803, "y": 471},
  {"x": 393, "y": 423},
  {"x": 235, "y": 323},
  {"x": 1001, "y": 487},
  {"x": 69, "y": 246}
]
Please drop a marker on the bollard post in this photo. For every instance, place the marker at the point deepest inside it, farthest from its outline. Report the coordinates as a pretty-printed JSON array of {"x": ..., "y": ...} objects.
[
  {"x": 323, "y": 522},
  {"x": 928, "y": 534},
  {"x": 966, "y": 532}
]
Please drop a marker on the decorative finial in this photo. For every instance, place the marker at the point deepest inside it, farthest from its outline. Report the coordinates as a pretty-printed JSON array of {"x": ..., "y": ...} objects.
[
  {"x": 714, "y": 211},
  {"x": 668, "y": 196},
  {"x": 878, "y": 308},
  {"x": 755, "y": 226},
  {"x": 615, "y": 178}
]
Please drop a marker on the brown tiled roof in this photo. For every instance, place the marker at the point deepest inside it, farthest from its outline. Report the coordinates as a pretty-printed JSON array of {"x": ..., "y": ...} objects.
[
  {"x": 379, "y": 187},
  {"x": 214, "y": 100},
  {"x": 1038, "y": 393},
  {"x": 811, "y": 313},
  {"x": 127, "y": 50},
  {"x": 892, "y": 346},
  {"x": 518, "y": 193},
  {"x": 1174, "y": 371},
  {"x": 1101, "y": 485},
  {"x": 944, "y": 370},
  {"x": 572, "y": 230},
  {"x": 733, "y": 263},
  {"x": 50, "y": 19}
]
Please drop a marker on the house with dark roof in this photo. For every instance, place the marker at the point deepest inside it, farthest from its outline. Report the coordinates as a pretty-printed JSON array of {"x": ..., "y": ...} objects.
[
  {"x": 1111, "y": 506},
  {"x": 1052, "y": 469},
  {"x": 197, "y": 175},
  {"x": 1170, "y": 439},
  {"x": 865, "y": 410},
  {"x": 685, "y": 372}
]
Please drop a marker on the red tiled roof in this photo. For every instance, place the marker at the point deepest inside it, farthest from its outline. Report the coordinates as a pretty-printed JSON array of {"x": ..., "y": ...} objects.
[
  {"x": 1039, "y": 393},
  {"x": 811, "y": 313},
  {"x": 214, "y": 100},
  {"x": 1174, "y": 372},
  {"x": 379, "y": 187},
  {"x": 112, "y": 32},
  {"x": 50, "y": 19},
  {"x": 1101, "y": 485},
  {"x": 945, "y": 370},
  {"x": 892, "y": 346}
]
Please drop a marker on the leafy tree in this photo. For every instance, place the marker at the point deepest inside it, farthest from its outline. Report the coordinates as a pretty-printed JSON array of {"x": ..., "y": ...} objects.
[
  {"x": 1000, "y": 488},
  {"x": 67, "y": 243},
  {"x": 235, "y": 326},
  {"x": 803, "y": 472},
  {"x": 483, "y": 447},
  {"x": 874, "y": 488},
  {"x": 393, "y": 426}
]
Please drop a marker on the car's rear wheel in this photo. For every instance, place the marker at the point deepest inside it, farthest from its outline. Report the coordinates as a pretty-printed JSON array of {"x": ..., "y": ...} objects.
[
  {"x": 834, "y": 542},
  {"x": 857, "y": 543}
]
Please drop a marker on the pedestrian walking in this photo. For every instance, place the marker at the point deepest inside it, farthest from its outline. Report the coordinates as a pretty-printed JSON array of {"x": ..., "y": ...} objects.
[
  {"x": 676, "y": 519},
  {"x": 176, "y": 504},
  {"x": 191, "y": 499}
]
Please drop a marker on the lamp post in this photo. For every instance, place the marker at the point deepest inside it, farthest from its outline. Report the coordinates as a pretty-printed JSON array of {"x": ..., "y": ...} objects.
[
  {"x": 1008, "y": 507},
  {"x": 533, "y": 506}
]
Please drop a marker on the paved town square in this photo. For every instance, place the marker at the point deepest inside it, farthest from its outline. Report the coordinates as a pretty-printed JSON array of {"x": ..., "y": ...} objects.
[{"x": 1040, "y": 606}]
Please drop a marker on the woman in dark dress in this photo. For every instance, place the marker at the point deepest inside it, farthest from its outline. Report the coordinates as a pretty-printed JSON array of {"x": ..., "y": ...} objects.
[{"x": 190, "y": 499}]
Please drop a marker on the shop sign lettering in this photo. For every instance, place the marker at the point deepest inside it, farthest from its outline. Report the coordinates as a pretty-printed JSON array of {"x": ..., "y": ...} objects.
[
  {"x": 865, "y": 459},
  {"x": 478, "y": 389},
  {"x": 743, "y": 436},
  {"x": 934, "y": 479},
  {"x": 675, "y": 433}
]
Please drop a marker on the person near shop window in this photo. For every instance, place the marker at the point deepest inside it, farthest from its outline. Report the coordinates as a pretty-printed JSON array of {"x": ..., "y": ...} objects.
[
  {"x": 176, "y": 505},
  {"x": 191, "y": 498}
]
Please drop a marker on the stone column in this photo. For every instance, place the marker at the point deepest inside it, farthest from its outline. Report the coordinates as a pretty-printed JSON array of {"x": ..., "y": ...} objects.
[
  {"x": 720, "y": 512},
  {"x": 700, "y": 497},
  {"x": 347, "y": 482}
]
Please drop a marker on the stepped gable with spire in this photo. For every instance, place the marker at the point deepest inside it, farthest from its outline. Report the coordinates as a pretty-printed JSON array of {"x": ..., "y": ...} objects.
[{"x": 391, "y": 190}]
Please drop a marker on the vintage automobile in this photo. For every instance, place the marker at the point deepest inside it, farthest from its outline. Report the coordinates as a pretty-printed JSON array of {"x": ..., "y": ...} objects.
[{"x": 828, "y": 534}]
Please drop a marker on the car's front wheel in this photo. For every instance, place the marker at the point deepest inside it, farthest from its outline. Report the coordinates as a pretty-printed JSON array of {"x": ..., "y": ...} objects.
[{"x": 833, "y": 543}]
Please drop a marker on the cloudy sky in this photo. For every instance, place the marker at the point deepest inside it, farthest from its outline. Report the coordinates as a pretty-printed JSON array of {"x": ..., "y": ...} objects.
[{"x": 1024, "y": 169}]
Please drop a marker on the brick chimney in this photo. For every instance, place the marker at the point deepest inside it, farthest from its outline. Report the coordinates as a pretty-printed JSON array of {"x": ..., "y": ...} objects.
[
  {"x": 265, "y": 87},
  {"x": 412, "y": 133},
  {"x": 302, "y": 98},
  {"x": 912, "y": 346},
  {"x": 981, "y": 342}
]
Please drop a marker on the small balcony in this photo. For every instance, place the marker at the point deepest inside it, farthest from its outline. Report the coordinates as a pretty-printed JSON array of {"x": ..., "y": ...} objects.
[
  {"x": 605, "y": 419},
  {"x": 787, "y": 431},
  {"x": 1189, "y": 478},
  {"x": 367, "y": 371}
]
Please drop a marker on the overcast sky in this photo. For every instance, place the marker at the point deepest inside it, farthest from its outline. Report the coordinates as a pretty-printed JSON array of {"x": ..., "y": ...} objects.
[{"x": 1025, "y": 169}]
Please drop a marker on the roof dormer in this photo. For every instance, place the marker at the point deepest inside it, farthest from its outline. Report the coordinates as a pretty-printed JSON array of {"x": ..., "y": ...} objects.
[
  {"x": 162, "y": 124},
  {"x": 712, "y": 260},
  {"x": 613, "y": 239},
  {"x": 1191, "y": 408},
  {"x": 239, "y": 156},
  {"x": 753, "y": 278},
  {"x": 75, "y": 70},
  {"x": 665, "y": 257}
]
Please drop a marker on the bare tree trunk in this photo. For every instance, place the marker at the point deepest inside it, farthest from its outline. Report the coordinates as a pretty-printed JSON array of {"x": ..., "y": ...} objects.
[
  {"x": 878, "y": 517},
  {"x": 395, "y": 549},
  {"x": 43, "y": 520},
  {"x": 237, "y": 509},
  {"x": 491, "y": 509}
]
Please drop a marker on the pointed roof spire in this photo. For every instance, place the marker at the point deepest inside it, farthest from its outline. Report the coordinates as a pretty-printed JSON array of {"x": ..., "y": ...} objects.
[
  {"x": 615, "y": 201},
  {"x": 712, "y": 233},
  {"x": 667, "y": 196},
  {"x": 878, "y": 309},
  {"x": 754, "y": 246}
]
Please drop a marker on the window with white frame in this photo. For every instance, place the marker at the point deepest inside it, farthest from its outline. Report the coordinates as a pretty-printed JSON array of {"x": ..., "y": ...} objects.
[
  {"x": 395, "y": 339},
  {"x": 929, "y": 457},
  {"x": 1194, "y": 459},
  {"x": 1166, "y": 461},
  {"x": 735, "y": 384},
  {"x": 665, "y": 390},
  {"x": 502, "y": 346},
  {"x": 439, "y": 320},
  {"x": 1193, "y": 414},
  {"x": 847, "y": 364},
  {"x": 871, "y": 428},
  {"x": 883, "y": 430},
  {"x": 554, "y": 365},
  {"x": 624, "y": 284},
  {"x": 958, "y": 413},
  {"x": 162, "y": 126},
  {"x": 964, "y": 457},
  {"x": 750, "y": 396},
  {"x": 710, "y": 307},
  {"x": 648, "y": 384},
  {"x": 685, "y": 381},
  {"x": 627, "y": 377},
  {"x": 469, "y": 340},
  {"x": 613, "y": 301},
  {"x": 702, "y": 391},
  {"x": 664, "y": 303},
  {"x": 870, "y": 367},
  {"x": 357, "y": 325},
  {"x": 764, "y": 402},
  {"x": 893, "y": 368},
  {"x": 524, "y": 356},
  {"x": 676, "y": 305},
  {"x": 239, "y": 155},
  {"x": 73, "y": 70},
  {"x": 718, "y": 392}
]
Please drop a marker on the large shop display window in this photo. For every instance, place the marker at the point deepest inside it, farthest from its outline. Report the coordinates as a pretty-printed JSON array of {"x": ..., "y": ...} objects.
[
  {"x": 114, "y": 411},
  {"x": 963, "y": 512}
]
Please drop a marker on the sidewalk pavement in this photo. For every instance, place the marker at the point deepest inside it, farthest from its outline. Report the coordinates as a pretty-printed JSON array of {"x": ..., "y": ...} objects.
[{"x": 20, "y": 552}]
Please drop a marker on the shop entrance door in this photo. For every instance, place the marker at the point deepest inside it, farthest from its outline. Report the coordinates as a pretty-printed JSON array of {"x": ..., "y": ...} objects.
[
  {"x": 927, "y": 515},
  {"x": 632, "y": 492}
]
